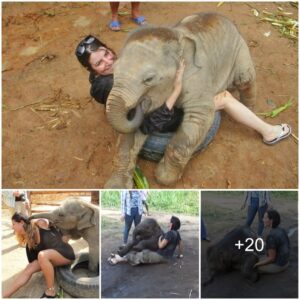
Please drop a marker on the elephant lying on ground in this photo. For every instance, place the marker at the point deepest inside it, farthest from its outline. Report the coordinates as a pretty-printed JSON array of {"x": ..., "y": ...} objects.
[
  {"x": 144, "y": 236},
  {"x": 217, "y": 58},
  {"x": 78, "y": 218},
  {"x": 225, "y": 255}
]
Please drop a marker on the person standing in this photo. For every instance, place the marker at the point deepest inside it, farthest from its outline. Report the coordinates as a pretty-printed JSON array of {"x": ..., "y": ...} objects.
[
  {"x": 136, "y": 16},
  {"x": 131, "y": 210},
  {"x": 17, "y": 201},
  {"x": 258, "y": 202}
]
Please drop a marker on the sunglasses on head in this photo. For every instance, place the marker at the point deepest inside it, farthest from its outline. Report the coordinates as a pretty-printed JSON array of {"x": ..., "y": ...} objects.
[{"x": 82, "y": 46}]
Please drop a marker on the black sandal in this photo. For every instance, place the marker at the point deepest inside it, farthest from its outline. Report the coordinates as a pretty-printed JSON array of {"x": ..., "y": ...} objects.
[{"x": 47, "y": 296}]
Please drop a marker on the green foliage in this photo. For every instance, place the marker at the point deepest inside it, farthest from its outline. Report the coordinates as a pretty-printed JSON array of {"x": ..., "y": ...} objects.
[
  {"x": 110, "y": 199},
  {"x": 183, "y": 202},
  {"x": 140, "y": 181},
  {"x": 60, "y": 293},
  {"x": 285, "y": 195}
]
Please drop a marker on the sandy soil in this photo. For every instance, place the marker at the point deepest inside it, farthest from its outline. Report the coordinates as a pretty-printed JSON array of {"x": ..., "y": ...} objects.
[
  {"x": 73, "y": 147},
  {"x": 14, "y": 260},
  {"x": 221, "y": 214},
  {"x": 177, "y": 279}
]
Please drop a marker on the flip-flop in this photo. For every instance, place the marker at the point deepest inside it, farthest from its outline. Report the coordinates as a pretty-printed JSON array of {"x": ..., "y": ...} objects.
[
  {"x": 141, "y": 21},
  {"x": 114, "y": 26},
  {"x": 282, "y": 135}
]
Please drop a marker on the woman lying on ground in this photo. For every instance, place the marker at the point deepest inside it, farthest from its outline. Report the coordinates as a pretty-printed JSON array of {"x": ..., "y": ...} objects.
[
  {"x": 167, "y": 245},
  {"x": 99, "y": 59},
  {"x": 277, "y": 246},
  {"x": 46, "y": 248}
]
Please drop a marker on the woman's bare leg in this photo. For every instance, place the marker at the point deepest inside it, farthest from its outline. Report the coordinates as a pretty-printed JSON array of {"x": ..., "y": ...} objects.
[
  {"x": 244, "y": 115},
  {"x": 22, "y": 278},
  {"x": 48, "y": 259}
]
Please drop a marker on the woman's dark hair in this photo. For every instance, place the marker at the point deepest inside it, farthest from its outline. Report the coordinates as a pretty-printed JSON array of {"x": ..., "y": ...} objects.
[
  {"x": 17, "y": 217},
  {"x": 274, "y": 216},
  {"x": 175, "y": 223},
  {"x": 84, "y": 49}
]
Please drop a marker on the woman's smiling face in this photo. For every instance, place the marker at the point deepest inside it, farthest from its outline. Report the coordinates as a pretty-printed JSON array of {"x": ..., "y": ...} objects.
[{"x": 102, "y": 61}]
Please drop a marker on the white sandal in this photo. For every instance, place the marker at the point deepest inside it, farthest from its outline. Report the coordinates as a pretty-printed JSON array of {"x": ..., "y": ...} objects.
[{"x": 282, "y": 135}]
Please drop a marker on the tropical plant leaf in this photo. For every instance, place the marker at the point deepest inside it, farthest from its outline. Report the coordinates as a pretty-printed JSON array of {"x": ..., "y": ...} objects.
[{"x": 275, "y": 112}]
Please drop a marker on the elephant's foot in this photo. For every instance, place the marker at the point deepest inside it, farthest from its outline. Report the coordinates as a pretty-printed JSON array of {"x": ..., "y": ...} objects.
[
  {"x": 167, "y": 174},
  {"x": 119, "y": 182}
]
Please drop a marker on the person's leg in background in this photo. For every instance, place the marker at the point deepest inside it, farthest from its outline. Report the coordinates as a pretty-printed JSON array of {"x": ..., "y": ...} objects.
[
  {"x": 261, "y": 212},
  {"x": 128, "y": 223},
  {"x": 114, "y": 24},
  {"x": 136, "y": 14},
  {"x": 252, "y": 210}
]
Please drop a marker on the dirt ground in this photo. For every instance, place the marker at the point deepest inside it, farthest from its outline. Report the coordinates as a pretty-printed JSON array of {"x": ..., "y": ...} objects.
[
  {"x": 177, "y": 279},
  {"x": 14, "y": 260},
  {"x": 69, "y": 143},
  {"x": 222, "y": 214}
]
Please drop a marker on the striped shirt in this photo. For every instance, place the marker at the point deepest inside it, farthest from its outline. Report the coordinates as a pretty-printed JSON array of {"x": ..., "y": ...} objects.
[{"x": 131, "y": 199}]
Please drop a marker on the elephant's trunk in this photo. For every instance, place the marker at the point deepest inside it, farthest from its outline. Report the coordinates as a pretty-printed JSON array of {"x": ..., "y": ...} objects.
[
  {"x": 123, "y": 112},
  {"x": 48, "y": 216}
]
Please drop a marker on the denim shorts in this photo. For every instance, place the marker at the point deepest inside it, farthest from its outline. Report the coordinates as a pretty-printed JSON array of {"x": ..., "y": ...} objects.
[{"x": 155, "y": 145}]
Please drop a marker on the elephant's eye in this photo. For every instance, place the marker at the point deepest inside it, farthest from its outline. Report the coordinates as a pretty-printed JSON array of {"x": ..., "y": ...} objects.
[
  {"x": 61, "y": 214},
  {"x": 149, "y": 79}
]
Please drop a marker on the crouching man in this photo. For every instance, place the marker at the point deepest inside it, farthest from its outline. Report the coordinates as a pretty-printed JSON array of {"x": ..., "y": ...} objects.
[{"x": 167, "y": 245}]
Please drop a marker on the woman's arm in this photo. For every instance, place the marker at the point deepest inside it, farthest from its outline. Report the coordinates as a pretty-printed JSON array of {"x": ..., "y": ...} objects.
[
  {"x": 66, "y": 238},
  {"x": 43, "y": 223},
  {"x": 177, "y": 86},
  {"x": 268, "y": 260},
  {"x": 162, "y": 243}
]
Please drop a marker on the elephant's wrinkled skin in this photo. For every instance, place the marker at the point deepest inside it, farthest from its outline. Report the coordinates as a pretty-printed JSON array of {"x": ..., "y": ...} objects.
[
  {"x": 217, "y": 58},
  {"x": 78, "y": 218},
  {"x": 144, "y": 236},
  {"x": 225, "y": 255}
]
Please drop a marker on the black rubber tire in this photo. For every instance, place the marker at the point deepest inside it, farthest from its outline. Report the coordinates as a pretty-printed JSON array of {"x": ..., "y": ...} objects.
[
  {"x": 82, "y": 287},
  {"x": 155, "y": 145}
]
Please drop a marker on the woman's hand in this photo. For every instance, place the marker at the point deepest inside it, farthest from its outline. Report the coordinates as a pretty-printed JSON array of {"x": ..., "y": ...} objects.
[
  {"x": 66, "y": 238},
  {"x": 179, "y": 76},
  {"x": 177, "y": 85}
]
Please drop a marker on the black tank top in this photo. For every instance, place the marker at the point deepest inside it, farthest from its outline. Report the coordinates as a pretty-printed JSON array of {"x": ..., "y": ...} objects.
[{"x": 52, "y": 239}]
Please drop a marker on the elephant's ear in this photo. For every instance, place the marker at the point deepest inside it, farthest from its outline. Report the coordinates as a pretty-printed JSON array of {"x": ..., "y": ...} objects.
[
  {"x": 199, "y": 52},
  {"x": 87, "y": 219}
]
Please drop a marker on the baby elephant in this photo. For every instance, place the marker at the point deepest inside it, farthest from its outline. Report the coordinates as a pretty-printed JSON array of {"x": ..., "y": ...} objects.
[
  {"x": 225, "y": 255},
  {"x": 145, "y": 236}
]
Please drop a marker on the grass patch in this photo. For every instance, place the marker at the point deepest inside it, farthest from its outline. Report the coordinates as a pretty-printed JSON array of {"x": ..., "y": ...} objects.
[
  {"x": 108, "y": 223},
  {"x": 183, "y": 202},
  {"x": 286, "y": 195},
  {"x": 111, "y": 199}
]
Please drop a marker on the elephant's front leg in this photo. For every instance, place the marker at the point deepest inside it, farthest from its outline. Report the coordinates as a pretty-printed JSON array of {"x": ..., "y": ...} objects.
[
  {"x": 94, "y": 257},
  {"x": 191, "y": 133},
  {"x": 128, "y": 147}
]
